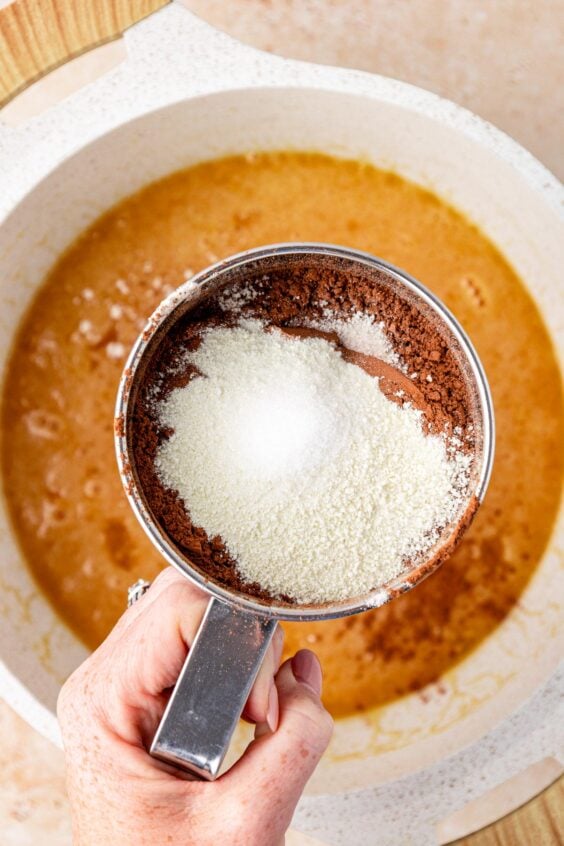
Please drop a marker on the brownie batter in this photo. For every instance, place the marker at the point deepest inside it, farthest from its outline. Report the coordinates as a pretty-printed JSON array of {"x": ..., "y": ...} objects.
[
  {"x": 300, "y": 293},
  {"x": 73, "y": 523}
]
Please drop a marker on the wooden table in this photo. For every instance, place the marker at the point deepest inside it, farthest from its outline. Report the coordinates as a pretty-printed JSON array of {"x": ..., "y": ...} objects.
[
  {"x": 36, "y": 38},
  {"x": 538, "y": 823}
]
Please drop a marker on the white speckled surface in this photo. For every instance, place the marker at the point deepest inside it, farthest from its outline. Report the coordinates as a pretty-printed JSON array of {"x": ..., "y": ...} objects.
[
  {"x": 475, "y": 769},
  {"x": 497, "y": 65}
]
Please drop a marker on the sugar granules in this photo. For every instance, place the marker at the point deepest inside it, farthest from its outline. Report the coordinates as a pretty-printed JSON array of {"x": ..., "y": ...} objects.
[{"x": 319, "y": 486}]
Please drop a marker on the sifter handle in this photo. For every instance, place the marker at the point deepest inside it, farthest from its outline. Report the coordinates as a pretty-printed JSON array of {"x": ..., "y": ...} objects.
[{"x": 212, "y": 689}]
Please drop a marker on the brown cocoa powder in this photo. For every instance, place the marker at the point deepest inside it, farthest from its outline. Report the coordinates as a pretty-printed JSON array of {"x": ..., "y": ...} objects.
[{"x": 283, "y": 299}]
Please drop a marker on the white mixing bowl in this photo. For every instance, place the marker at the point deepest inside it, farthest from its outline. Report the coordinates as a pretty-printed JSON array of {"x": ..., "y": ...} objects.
[{"x": 187, "y": 93}]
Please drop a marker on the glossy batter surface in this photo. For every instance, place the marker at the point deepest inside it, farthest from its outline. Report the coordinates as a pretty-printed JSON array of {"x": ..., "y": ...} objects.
[{"x": 77, "y": 531}]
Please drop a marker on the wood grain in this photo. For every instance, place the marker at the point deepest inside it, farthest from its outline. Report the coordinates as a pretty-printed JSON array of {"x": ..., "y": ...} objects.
[
  {"x": 38, "y": 35},
  {"x": 538, "y": 823}
]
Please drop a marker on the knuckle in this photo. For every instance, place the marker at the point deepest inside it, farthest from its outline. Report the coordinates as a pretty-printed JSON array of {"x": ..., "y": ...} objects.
[
  {"x": 69, "y": 688},
  {"x": 178, "y": 593},
  {"x": 174, "y": 595},
  {"x": 78, "y": 698},
  {"x": 168, "y": 576},
  {"x": 326, "y": 726},
  {"x": 62, "y": 702},
  {"x": 67, "y": 702},
  {"x": 327, "y": 723},
  {"x": 316, "y": 723}
]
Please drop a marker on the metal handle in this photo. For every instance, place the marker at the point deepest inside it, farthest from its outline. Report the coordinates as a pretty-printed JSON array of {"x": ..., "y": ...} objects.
[{"x": 212, "y": 689}]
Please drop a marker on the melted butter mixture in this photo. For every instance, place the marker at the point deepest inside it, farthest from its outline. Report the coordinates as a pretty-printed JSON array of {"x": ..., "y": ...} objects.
[{"x": 74, "y": 525}]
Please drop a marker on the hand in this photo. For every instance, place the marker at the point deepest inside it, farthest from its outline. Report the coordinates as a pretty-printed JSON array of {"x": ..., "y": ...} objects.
[{"x": 109, "y": 710}]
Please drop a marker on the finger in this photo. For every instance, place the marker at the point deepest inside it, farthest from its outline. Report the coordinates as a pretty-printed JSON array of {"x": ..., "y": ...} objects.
[
  {"x": 140, "y": 661},
  {"x": 166, "y": 577},
  {"x": 276, "y": 767},
  {"x": 263, "y": 701}
]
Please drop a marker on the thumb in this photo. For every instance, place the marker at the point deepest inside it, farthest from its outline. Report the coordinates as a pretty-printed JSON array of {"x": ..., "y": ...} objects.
[{"x": 276, "y": 767}]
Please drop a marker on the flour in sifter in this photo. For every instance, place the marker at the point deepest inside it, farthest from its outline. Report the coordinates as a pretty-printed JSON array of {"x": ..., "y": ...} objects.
[{"x": 319, "y": 486}]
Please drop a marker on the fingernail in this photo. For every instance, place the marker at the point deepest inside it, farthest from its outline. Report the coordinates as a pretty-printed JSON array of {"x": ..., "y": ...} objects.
[
  {"x": 307, "y": 669},
  {"x": 272, "y": 712}
]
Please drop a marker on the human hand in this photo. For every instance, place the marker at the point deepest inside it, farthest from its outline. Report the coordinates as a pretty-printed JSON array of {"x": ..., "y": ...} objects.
[{"x": 109, "y": 710}]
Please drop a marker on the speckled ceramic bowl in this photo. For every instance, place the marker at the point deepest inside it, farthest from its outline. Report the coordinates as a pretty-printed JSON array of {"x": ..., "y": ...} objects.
[{"x": 187, "y": 93}]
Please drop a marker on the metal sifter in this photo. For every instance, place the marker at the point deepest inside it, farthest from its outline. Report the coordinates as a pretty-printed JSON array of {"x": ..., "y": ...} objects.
[{"x": 224, "y": 659}]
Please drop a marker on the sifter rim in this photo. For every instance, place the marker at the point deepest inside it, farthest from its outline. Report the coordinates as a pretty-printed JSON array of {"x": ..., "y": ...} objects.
[{"x": 194, "y": 291}]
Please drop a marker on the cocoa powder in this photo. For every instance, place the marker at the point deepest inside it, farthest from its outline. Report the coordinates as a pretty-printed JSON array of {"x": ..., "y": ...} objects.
[{"x": 282, "y": 299}]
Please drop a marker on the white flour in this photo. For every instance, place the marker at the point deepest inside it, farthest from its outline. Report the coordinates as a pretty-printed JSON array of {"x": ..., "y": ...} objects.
[
  {"x": 358, "y": 332},
  {"x": 320, "y": 487}
]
